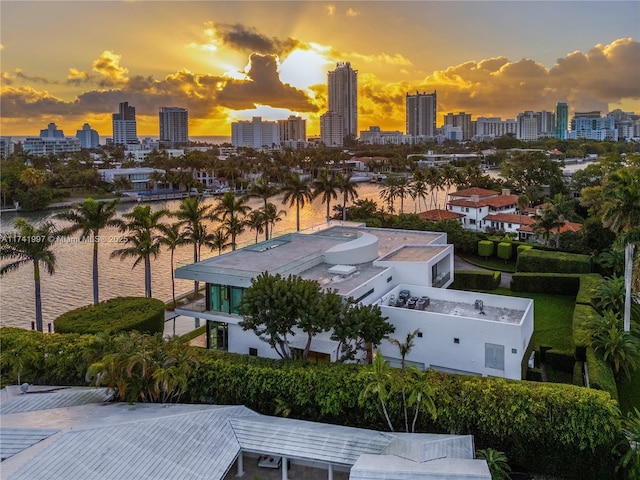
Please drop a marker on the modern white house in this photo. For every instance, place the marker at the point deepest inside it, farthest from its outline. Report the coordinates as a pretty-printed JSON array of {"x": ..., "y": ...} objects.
[
  {"x": 459, "y": 331},
  {"x": 139, "y": 176}
]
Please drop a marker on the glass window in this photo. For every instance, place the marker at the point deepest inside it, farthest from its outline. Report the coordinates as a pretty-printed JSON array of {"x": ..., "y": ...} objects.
[
  {"x": 219, "y": 298},
  {"x": 236, "y": 297}
]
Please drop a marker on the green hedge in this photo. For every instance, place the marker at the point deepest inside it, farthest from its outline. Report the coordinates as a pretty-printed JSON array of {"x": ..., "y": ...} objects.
[
  {"x": 550, "y": 283},
  {"x": 567, "y": 427},
  {"x": 523, "y": 248},
  {"x": 556, "y": 262},
  {"x": 600, "y": 374},
  {"x": 475, "y": 280},
  {"x": 504, "y": 251},
  {"x": 582, "y": 315},
  {"x": 120, "y": 314},
  {"x": 485, "y": 248},
  {"x": 588, "y": 285},
  {"x": 562, "y": 361}
]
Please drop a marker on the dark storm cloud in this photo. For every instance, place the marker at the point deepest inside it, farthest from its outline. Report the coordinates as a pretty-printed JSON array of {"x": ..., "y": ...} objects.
[
  {"x": 248, "y": 39},
  {"x": 263, "y": 87}
]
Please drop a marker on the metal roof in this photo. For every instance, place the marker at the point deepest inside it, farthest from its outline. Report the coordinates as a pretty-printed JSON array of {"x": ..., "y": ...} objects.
[
  {"x": 54, "y": 398},
  {"x": 423, "y": 447},
  {"x": 390, "y": 467},
  {"x": 298, "y": 439},
  {"x": 15, "y": 440}
]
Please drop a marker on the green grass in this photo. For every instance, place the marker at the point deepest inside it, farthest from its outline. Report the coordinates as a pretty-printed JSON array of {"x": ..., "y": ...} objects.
[
  {"x": 490, "y": 263},
  {"x": 629, "y": 393},
  {"x": 552, "y": 317}
]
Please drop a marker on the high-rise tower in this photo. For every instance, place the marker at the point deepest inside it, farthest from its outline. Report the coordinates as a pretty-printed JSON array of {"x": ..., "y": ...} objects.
[
  {"x": 562, "y": 120},
  {"x": 421, "y": 114},
  {"x": 124, "y": 125},
  {"x": 174, "y": 125},
  {"x": 343, "y": 97}
]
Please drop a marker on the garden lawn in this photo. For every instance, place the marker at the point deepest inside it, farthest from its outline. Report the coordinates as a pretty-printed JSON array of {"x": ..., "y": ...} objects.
[
  {"x": 629, "y": 393},
  {"x": 552, "y": 318}
]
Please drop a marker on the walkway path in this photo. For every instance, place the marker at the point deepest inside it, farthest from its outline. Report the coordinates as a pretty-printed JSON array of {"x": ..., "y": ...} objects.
[{"x": 461, "y": 264}]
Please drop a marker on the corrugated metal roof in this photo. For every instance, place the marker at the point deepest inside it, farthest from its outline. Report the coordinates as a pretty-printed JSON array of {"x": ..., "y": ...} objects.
[
  {"x": 390, "y": 467},
  {"x": 29, "y": 402},
  {"x": 425, "y": 447},
  {"x": 298, "y": 439},
  {"x": 15, "y": 440},
  {"x": 188, "y": 446}
]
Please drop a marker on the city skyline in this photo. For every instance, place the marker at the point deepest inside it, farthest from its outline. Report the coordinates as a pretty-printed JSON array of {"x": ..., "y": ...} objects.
[{"x": 230, "y": 61}]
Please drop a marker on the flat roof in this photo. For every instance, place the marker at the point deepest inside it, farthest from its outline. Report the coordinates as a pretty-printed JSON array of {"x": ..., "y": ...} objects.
[
  {"x": 342, "y": 283},
  {"x": 415, "y": 253}
]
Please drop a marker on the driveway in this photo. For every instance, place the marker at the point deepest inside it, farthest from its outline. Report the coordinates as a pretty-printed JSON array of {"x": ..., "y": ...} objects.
[{"x": 461, "y": 264}]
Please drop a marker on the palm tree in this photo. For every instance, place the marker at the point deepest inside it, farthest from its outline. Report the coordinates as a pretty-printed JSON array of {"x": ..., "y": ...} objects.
[
  {"x": 220, "y": 240},
  {"x": 230, "y": 212},
  {"x": 256, "y": 221},
  {"x": 173, "y": 237},
  {"x": 192, "y": 215},
  {"x": 349, "y": 191},
  {"x": 142, "y": 226},
  {"x": 263, "y": 190},
  {"x": 378, "y": 382},
  {"x": 497, "y": 463},
  {"x": 121, "y": 183},
  {"x": 418, "y": 189},
  {"x": 272, "y": 216},
  {"x": 90, "y": 217},
  {"x": 31, "y": 177},
  {"x": 620, "y": 348},
  {"x": 326, "y": 186},
  {"x": 557, "y": 213},
  {"x": 449, "y": 177},
  {"x": 433, "y": 178},
  {"x": 389, "y": 193},
  {"x": 296, "y": 191},
  {"x": 630, "y": 445},
  {"x": 30, "y": 243},
  {"x": 404, "y": 349}
]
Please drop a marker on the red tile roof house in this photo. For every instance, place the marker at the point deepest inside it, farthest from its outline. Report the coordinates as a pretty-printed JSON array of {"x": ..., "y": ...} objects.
[
  {"x": 438, "y": 214},
  {"x": 477, "y": 203}
]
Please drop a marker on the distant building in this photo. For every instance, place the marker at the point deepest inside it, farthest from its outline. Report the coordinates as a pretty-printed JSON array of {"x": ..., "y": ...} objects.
[
  {"x": 255, "y": 133},
  {"x": 421, "y": 110},
  {"x": 546, "y": 123},
  {"x": 293, "y": 129},
  {"x": 139, "y": 177},
  {"x": 375, "y": 136},
  {"x": 51, "y": 132},
  {"x": 174, "y": 125},
  {"x": 527, "y": 126},
  {"x": 124, "y": 125},
  {"x": 562, "y": 120},
  {"x": 493, "y": 127},
  {"x": 593, "y": 127},
  {"x": 476, "y": 204},
  {"x": 6, "y": 147},
  {"x": 88, "y": 137},
  {"x": 462, "y": 120},
  {"x": 343, "y": 97},
  {"x": 331, "y": 129}
]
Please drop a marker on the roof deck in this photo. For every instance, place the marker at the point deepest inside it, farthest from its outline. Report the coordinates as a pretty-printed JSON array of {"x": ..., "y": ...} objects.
[{"x": 414, "y": 253}]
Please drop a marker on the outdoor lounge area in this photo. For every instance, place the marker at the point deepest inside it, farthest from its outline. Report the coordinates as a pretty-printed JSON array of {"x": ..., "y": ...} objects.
[{"x": 62, "y": 433}]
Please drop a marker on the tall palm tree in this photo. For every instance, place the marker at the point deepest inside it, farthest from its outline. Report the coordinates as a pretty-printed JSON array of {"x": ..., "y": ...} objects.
[
  {"x": 349, "y": 191},
  {"x": 192, "y": 215},
  {"x": 433, "y": 178},
  {"x": 23, "y": 249},
  {"x": 297, "y": 191},
  {"x": 263, "y": 190},
  {"x": 557, "y": 213},
  {"x": 378, "y": 380},
  {"x": 404, "y": 349},
  {"x": 172, "y": 237},
  {"x": 220, "y": 240},
  {"x": 256, "y": 221},
  {"x": 142, "y": 226},
  {"x": 89, "y": 217},
  {"x": 389, "y": 193},
  {"x": 326, "y": 186},
  {"x": 449, "y": 177},
  {"x": 418, "y": 189},
  {"x": 230, "y": 213}
]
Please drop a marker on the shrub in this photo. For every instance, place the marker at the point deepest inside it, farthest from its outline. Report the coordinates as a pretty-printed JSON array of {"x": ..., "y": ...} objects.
[
  {"x": 562, "y": 361},
  {"x": 505, "y": 250},
  {"x": 588, "y": 285},
  {"x": 485, "y": 248},
  {"x": 556, "y": 262},
  {"x": 120, "y": 314},
  {"x": 475, "y": 280},
  {"x": 583, "y": 316},
  {"x": 600, "y": 374},
  {"x": 522, "y": 248},
  {"x": 550, "y": 283}
]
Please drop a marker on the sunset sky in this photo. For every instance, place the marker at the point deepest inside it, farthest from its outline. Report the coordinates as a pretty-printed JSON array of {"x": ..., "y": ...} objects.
[{"x": 73, "y": 62}]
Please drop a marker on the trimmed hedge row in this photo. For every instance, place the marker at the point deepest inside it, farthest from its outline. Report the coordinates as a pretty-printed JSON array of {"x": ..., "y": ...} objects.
[
  {"x": 582, "y": 315},
  {"x": 600, "y": 374},
  {"x": 588, "y": 285},
  {"x": 555, "y": 262},
  {"x": 475, "y": 280},
  {"x": 120, "y": 314},
  {"x": 549, "y": 283},
  {"x": 567, "y": 427}
]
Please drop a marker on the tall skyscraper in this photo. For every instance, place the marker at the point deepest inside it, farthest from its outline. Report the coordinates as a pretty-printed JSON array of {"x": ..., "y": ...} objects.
[
  {"x": 562, "y": 120},
  {"x": 343, "y": 97},
  {"x": 124, "y": 125},
  {"x": 332, "y": 129},
  {"x": 255, "y": 133},
  {"x": 174, "y": 125},
  {"x": 421, "y": 114}
]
